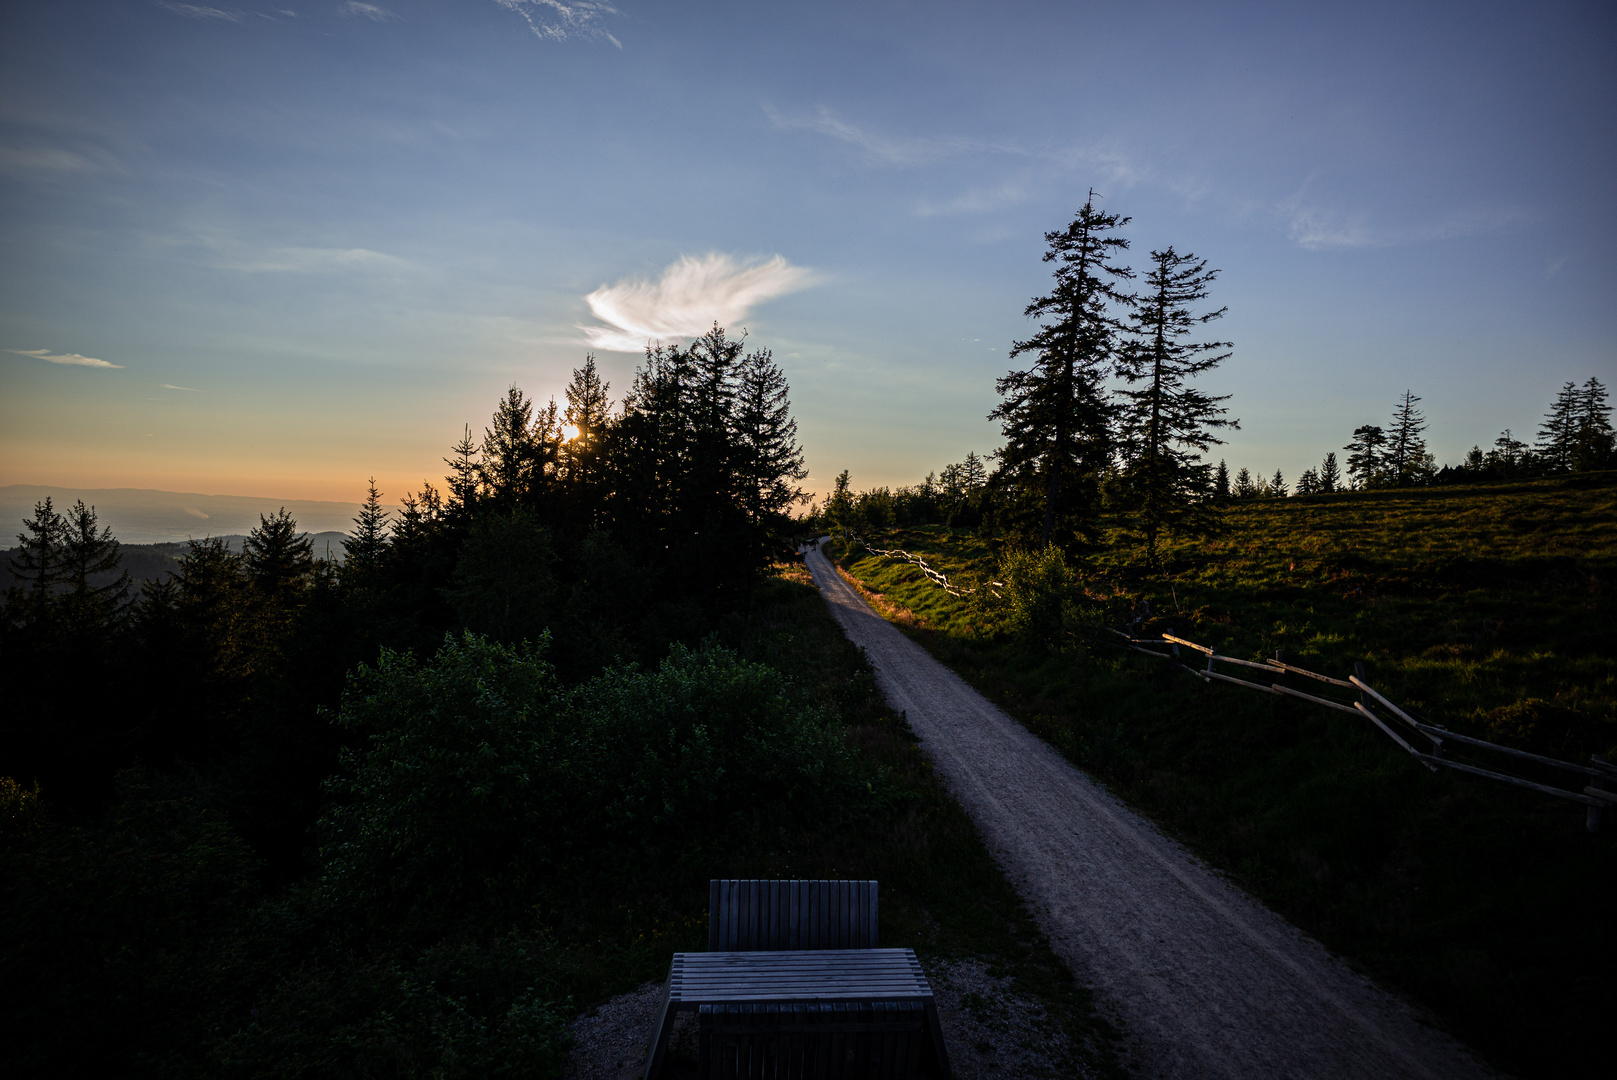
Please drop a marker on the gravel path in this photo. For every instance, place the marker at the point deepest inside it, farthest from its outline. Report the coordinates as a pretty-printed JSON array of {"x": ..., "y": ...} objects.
[{"x": 1205, "y": 981}]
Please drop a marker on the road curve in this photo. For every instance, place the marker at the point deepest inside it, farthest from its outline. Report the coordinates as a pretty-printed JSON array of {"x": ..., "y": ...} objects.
[{"x": 1204, "y": 980}]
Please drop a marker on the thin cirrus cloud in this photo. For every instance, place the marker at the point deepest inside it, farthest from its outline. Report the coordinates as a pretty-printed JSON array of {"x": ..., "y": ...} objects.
[
  {"x": 73, "y": 359},
  {"x": 689, "y": 297},
  {"x": 879, "y": 149},
  {"x": 305, "y": 260},
  {"x": 200, "y": 11},
  {"x": 190, "y": 389},
  {"x": 1318, "y": 228},
  {"x": 373, "y": 12},
  {"x": 553, "y": 20}
]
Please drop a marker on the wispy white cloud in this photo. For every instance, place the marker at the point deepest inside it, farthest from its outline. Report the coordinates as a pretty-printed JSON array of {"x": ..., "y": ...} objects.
[
  {"x": 1318, "y": 227},
  {"x": 199, "y": 11},
  {"x": 191, "y": 389},
  {"x": 691, "y": 295},
  {"x": 373, "y": 12},
  {"x": 65, "y": 358},
  {"x": 554, "y": 20},
  {"x": 879, "y": 148},
  {"x": 309, "y": 260}
]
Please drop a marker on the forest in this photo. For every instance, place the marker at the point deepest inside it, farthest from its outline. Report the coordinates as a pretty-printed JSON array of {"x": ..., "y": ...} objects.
[{"x": 275, "y": 814}]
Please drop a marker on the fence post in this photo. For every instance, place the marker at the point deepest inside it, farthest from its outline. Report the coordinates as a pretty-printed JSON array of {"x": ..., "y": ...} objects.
[{"x": 1591, "y": 820}]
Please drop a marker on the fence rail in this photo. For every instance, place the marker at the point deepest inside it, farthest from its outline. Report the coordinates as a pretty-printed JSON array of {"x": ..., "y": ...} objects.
[{"x": 1595, "y": 796}]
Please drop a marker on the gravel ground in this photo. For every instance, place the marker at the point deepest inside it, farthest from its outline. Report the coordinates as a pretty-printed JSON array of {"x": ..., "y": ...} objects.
[
  {"x": 991, "y": 1033},
  {"x": 1203, "y": 980}
]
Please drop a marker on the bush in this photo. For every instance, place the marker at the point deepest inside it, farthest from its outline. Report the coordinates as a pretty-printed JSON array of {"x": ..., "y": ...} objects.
[
  {"x": 486, "y": 785},
  {"x": 1045, "y": 601}
]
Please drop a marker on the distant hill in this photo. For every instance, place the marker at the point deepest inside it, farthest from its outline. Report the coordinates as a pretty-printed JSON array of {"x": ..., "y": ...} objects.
[
  {"x": 151, "y": 562},
  {"x": 142, "y": 516}
]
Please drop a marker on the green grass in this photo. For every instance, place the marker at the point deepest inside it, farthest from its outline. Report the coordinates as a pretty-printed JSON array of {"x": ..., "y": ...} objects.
[{"x": 1484, "y": 609}]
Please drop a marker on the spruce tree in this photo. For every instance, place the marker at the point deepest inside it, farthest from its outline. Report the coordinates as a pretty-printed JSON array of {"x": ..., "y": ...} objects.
[
  {"x": 1558, "y": 435},
  {"x": 465, "y": 477},
  {"x": 366, "y": 546},
  {"x": 1308, "y": 482},
  {"x": 1330, "y": 475},
  {"x": 89, "y": 551},
  {"x": 511, "y": 458},
  {"x": 1594, "y": 440},
  {"x": 1221, "y": 482},
  {"x": 1406, "y": 457},
  {"x": 770, "y": 459},
  {"x": 278, "y": 559},
  {"x": 1055, "y": 415},
  {"x": 36, "y": 568},
  {"x": 589, "y": 411},
  {"x": 1166, "y": 423},
  {"x": 1245, "y": 486}
]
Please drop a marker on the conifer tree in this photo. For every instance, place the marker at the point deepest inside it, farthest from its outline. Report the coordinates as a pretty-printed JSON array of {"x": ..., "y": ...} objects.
[
  {"x": 37, "y": 568},
  {"x": 1277, "y": 486},
  {"x": 1308, "y": 482},
  {"x": 465, "y": 477},
  {"x": 770, "y": 459},
  {"x": 1558, "y": 435},
  {"x": 1406, "y": 458},
  {"x": 89, "y": 551},
  {"x": 1245, "y": 486},
  {"x": 1594, "y": 440},
  {"x": 1168, "y": 424},
  {"x": 278, "y": 559},
  {"x": 511, "y": 458},
  {"x": 367, "y": 544},
  {"x": 589, "y": 410},
  {"x": 1330, "y": 475},
  {"x": 1055, "y": 415},
  {"x": 1367, "y": 456},
  {"x": 1221, "y": 482}
]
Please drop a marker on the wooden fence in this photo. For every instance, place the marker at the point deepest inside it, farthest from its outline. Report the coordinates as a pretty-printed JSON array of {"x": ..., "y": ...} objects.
[{"x": 1595, "y": 795}]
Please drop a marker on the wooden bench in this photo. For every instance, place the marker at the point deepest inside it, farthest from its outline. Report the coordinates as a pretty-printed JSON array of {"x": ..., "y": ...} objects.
[{"x": 793, "y": 986}]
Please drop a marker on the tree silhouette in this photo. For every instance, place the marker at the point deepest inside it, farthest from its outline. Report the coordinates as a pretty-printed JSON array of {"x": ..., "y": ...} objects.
[
  {"x": 770, "y": 460},
  {"x": 367, "y": 544},
  {"x": 1330, "y": 475},
  {"x": 1168, "y": 424},
  {"x": 1593, "y": 439},
  {"x": 589, "y": 411},
  {"x": 1055, "y": 415},
  {"x": 1366, "y": 456},
  {"x": 90, "y": 610},
  {"x": 1406, "y": 458}
]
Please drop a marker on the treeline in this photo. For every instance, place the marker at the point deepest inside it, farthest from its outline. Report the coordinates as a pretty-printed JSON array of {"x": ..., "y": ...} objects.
[{"x": 528, "y": 667}]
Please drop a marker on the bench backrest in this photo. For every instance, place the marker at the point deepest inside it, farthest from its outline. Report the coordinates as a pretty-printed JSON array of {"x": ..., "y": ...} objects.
[{"x": 750, "y": 915}]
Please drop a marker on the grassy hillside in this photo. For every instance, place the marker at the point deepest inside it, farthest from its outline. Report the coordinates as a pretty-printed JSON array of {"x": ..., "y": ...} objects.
[{"x": 1485, "y": 609}]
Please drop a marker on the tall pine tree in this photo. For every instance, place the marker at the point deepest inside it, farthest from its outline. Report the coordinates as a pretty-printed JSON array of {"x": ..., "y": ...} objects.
[
  {"x": 1055, "y": 415},
  {"x": 1167, "y": 424}
]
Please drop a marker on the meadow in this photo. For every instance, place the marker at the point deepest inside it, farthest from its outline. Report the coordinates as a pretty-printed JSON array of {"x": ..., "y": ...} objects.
[{"x": 1482, "y": 608}]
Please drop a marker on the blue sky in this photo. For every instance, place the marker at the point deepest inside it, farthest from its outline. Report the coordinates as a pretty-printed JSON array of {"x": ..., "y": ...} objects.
[{"x": 316, "y": 240}]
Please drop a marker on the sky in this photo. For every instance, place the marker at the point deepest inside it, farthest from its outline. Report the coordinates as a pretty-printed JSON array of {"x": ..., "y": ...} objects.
[{"x": 277, "y": 251}]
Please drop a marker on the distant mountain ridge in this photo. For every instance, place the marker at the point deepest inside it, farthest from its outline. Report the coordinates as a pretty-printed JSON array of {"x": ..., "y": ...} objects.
[{"x": 147, "y": 516}]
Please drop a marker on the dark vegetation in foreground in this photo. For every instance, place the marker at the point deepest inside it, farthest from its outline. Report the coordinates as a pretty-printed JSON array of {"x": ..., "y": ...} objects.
[
  {"x": 402, "y": 816},
  {"x": 1486, "y": 609}
]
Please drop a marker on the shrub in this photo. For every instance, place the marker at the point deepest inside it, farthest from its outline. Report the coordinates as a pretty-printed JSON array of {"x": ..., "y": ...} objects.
[{"x": 1045, "y": 601}]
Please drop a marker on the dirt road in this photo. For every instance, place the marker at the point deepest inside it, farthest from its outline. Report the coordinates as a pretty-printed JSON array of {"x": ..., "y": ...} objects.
[{"x": 1205, "y": 981}]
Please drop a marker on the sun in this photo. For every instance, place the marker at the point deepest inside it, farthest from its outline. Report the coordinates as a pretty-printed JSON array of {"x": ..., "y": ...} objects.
[{"x": 569, "y": 432}]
